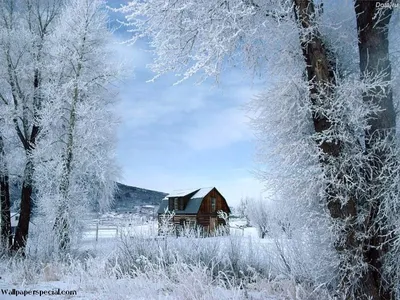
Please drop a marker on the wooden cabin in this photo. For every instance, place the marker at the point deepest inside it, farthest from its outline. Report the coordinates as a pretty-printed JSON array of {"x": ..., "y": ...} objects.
[{"x": 195, "y": 208}]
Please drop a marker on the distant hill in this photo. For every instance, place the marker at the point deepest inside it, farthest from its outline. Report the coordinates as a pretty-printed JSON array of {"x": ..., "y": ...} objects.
[{"x": 129, "y": 198}]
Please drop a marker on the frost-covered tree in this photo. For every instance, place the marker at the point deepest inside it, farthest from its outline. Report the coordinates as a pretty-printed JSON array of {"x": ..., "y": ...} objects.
[
  {"x": 259, "y": 216},
  {"x": 76, "y": 169},
  {"x": 327, "y": 116},
  {"x": 242, "y": 209},
  {"x": 25, "y": 27}
]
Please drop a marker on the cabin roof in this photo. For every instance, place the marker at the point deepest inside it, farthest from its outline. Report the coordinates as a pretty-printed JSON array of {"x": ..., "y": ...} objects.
[
  {"x": 180, "y": 193},
  {"x": 193, "y": 204},
  {"x": 201, "y": 193}
]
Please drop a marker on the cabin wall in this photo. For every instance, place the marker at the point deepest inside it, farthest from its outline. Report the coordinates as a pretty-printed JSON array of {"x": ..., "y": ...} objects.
[
  {"x": 207, "y": 216},
  {"x": 188, "y": 219},
  {"x": 177, "y": 218},
  {"x": 206, "y": 207},
  {"x": 203, "y": 220}
]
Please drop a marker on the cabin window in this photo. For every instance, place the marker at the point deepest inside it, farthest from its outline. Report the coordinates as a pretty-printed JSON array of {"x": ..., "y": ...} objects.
[
  {"x": 16, "y": 218},
  {"x": 213, "y": 204},
  {"x": 176, "y": 204}
]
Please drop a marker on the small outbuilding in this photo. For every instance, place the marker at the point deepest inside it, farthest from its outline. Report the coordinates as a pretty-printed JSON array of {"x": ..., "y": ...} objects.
[{"x": 195, "y": 208}]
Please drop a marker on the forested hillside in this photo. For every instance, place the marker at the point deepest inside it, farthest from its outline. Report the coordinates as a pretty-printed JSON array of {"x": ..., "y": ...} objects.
[{"x": 125, "y": 198}]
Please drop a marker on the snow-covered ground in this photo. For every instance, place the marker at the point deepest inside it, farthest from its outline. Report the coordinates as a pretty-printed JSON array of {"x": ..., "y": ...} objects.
[{"x": 120, "y": 246}]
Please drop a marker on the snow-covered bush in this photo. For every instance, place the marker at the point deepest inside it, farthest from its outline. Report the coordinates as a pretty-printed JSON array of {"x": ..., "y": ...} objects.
[
  {"x": 259, "y": 216},
  {"x": 166, "y": 226},
  {"x": 240, "y": 259}
]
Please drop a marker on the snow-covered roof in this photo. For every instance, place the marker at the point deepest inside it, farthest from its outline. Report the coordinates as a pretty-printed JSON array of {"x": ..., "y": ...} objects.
[
  {"x": 181, "y": 193},
  {"x": 194, "y": 203},
  {"x": 202, "y": 192}
]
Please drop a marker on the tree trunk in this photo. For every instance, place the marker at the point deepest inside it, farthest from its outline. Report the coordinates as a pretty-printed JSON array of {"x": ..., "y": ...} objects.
[
  {"x": 5, "y": 214},
  {"x": 5, "y": 233},
  {"x": 21, "y": 234},
  {"x": 319, "y": 72},
  {"x": 62, "y": 228},
  {"x": 22, "y": 230},
  {"x": 374, "y": 59},
  {"x": 321, "y": 78},
  {"x": 320, "y": 68},
  {"x": 373, "y": 49},
  {"x": 29, "y": 142},
  {"x": 62, "y": 223}
]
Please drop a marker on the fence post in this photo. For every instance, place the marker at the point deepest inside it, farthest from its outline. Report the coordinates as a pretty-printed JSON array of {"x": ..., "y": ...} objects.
[{"x": 97, "y": 230}]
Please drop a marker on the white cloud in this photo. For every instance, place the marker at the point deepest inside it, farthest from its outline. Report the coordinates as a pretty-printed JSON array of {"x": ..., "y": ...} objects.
[
  {"x": 199, "y": 117},
  {"x": 141, "y": 109},
  {"x": 218, "y": 129}
]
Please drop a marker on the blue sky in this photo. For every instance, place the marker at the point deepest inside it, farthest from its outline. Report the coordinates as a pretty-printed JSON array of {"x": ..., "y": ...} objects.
[{"x": 187, "y": 135}]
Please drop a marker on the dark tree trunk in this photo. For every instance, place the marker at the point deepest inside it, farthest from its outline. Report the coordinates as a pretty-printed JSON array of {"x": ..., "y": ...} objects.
[
  {"x": 373, "y": 48},
  {"x": 319, "y": 72},
  {"x": 29, "y": 142},
  {"x": 320, "y": 68},
  {"x": 21, "y": 234},
  {"x": 321, "y": 78},
  {"x": 5, "y": 233},
  {"x": 5, "y": 217},
  {"x": 374, "y": 59}
]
